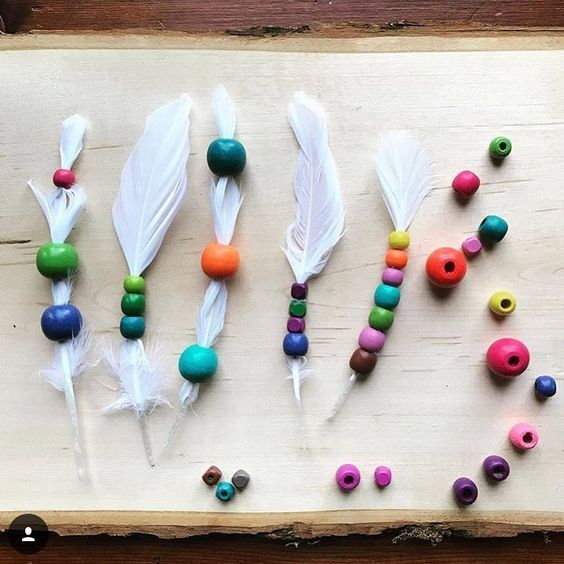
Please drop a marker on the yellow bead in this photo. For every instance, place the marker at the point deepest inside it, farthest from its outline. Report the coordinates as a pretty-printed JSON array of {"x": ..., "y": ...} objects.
[
  {"x": 398, "y": 240},
  {"x": 502, "y": 303}
]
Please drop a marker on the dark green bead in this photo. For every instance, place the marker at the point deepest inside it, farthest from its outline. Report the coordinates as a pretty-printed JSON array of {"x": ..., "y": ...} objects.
[
  {"x": 133, "y": 304},
  {"x": 387, "y": 296},
  {"x": 492, "y": 229},
  {"x": 132, "y": 327},
  {"x": 134, "y": 285},
  {"x": 500, "y": 147},
  {"x": 56, "y": 260},
  {"x": 298, "y": 308},
  {"x": 226, "y": 157},
  {"x": 380, "y": 318}
]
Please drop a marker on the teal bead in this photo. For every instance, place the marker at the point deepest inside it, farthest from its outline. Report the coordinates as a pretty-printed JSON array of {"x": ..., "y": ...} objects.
[
  {"x": 198, "y": 363},
  {"x": 380, "y": 318},
  {"x": 132, "y": 327},
  {"x": 387, "y": 296},
  {"x": 492, "y": 229},
  {"x": 224, "y": 491},
  {"x": 226, "y": 157}
]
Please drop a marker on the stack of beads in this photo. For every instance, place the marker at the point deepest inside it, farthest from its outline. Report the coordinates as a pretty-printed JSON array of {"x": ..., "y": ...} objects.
[
  {"x": 296, "y": 342},
  {"x": 132, "y": 325}
]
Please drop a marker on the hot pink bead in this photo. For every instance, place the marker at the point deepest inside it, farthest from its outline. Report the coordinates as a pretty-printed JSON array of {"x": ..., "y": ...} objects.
[
  {"x": 392, "y": 276},
  {"x": 507, "y": 357},
  {"x": 382, "y": 476},
  {"x": 472, "y": 246},
  {"x": 524, "y": 436},
  {"x": 465, "y": 183},
  {"x": 371, "y": 340},
  {"x": 347, "y": 476},
  {"x": 63, "y": 178}
]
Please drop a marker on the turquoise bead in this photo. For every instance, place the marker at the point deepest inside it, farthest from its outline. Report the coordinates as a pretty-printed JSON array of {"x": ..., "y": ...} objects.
[
  {"x": 197, "y": 363},
  {"x": 387, "y": 296},
  {"x": 226, "y": 157},
  {"x": 492, "y": 229},
  {"x": 225, "y": 491},
  {"x": 132, "y": 327}
]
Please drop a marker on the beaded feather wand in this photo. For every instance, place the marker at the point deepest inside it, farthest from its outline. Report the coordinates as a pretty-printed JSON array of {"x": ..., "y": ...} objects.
[
  {"x": 404, "y": 171},
  {"x": 153, "y": 186},
  {"x": 58, "y": 260}
]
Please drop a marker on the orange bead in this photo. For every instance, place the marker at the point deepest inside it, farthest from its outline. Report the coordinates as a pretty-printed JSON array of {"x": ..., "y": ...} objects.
[
  {"x": 220, "y": 261},
  {"x": 396, "y": 258}
]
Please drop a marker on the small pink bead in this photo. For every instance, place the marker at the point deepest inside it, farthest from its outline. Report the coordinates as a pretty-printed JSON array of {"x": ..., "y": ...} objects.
[
  {"x": 507, "y": 357},
  {"x": 371, "y": 340},
  {"x": 524, "y": 436},
  {"x": 63, "y": 178},
  {"x": 348, "y": 477},
  {"x": 392, "y": 276},
  {"x": 472, "y": 246},
  {"x": 382, "y": 476},
  {"x": 465, "y": 183}
]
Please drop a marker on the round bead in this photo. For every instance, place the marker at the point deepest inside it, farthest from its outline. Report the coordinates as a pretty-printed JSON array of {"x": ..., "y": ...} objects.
[
  {"x": 197, "y": 364},
  {"x": 465, "y": 491},
  {"x": 507, "y": 357},
  {"x": 134, "y": 285},
  {"x": 496, "y": 468},
  {"x": 465, "y": 183},
  {"x": 226, "y": 157},
  {"x": 380, "y": 318},
  {"x": 387, "y": 296},
  {"x": 61, "y": 322},
  {"x": 500, "y": 147},
  {"x": 295, "y": 344},
  {"x": 472, "y": 246},
  {"x": 296, "y": 325},
  {"x": 362, "y": 362},
  {"x": 545, "y": 386},
  {"x": 382, "y": 476},
  {"x": 224, "y": 491},
  {"x": 220, "y": 261},
  {"x": 524, "y": 436},
  {"x": 63, "y": 178},
  {"x": 396, "y": 258},
  {"x": 446, "y": 267},
  {"x": 371, "y": 340},
  {"x": 56, "y": 260},
  {"x": 348, "y": 477},
  {"x": 133, "y": 304},
  {"x": 492, "y": 229},
  {"x": 297, "y": 308},
  {"x": 398, "y": 240},
  {"x": 132, "y": 327},
  {"x": 502, "y": 303},
  {"x": 299, "y": 291},
  {"x": 392, "y": 276}
]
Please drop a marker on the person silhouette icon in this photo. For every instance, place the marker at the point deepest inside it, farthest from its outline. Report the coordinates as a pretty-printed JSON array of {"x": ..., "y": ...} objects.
[{"x": 28, "y": 537}]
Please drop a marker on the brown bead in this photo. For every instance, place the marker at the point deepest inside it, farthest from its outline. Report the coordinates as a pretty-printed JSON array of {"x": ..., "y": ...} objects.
[
  {"x": 362, "y": 362},
  {"x": 212, "y": 475},
  {"x": 240, "y": 479}
]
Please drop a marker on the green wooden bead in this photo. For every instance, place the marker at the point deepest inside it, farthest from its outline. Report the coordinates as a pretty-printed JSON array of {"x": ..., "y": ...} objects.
[
  {"x": 492, "y": 229},
  {"x": 133, "y": 304},
  {"x": 198, "y": 363},
  {"x": 134, "y": 285},
  {"x": 387, "y": 296},
  {"x": 132, "y": 327},
  {"x": 380, "y": 318},
  {"x": 56, "y": 260},
  {"x": 500, "y": 147},
  {"x": 226, "y": 157},
  {"x": 298, "y": 308}
]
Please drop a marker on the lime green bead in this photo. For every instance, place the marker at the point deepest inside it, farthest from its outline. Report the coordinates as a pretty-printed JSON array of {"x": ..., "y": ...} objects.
[
  {"x": 398, "y": 240},
  {"x": 387, "y": 296},
  {"x": 198, "y": 363},
  {"x": 298, "y": 308},
  {"x": 132, "y": 327},
  {"x": 380, "y": 318},
  {"x": 500, "y": 147},
  {"x": 56, "y": 260},
  {"x": 226, "y": 157},
  {"x": 134, "y": 285},
  {"x": 133, "y": 304},
  {"x": 502, "y": 303}
]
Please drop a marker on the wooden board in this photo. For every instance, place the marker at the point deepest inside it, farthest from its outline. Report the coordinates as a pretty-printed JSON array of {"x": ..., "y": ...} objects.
[{"x": 430, "y": 411}]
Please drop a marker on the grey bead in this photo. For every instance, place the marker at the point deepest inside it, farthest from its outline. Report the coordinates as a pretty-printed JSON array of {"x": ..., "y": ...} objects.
[{"x": 240, "y": 479}]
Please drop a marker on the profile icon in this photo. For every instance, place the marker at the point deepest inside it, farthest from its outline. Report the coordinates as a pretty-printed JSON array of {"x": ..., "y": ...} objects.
[{"x": 28, "y": 533}]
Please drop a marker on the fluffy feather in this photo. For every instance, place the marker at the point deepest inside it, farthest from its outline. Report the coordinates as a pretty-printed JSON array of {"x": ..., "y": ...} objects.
[
  {"x": 224, "y": 111},
  {"x": 71, "y": 140}
]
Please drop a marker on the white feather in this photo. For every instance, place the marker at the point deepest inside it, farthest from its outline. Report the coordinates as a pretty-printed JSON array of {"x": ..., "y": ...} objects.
[
  {"x": 212, "y": 314},
  {"x": 61, "y": 290},
  {"x": 153, "y": 184},
  {"x": 319, "y": 220},
  {"x": 225, "y": 202},
  {"x": 404, "y": 171},
  {"x": 71, "y": 140},
  {"x": 224, "y": 111}
]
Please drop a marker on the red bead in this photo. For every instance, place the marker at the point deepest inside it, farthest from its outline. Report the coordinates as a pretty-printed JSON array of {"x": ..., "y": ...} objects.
[
  {"x": 465, "y": 183},
  {"x": 64, "y": 178},
  {"x": 507, "y": 357},
  {"x": 446, "y": 267}
]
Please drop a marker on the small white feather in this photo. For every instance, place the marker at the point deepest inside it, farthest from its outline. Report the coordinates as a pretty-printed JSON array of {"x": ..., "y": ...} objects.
[
  {"x": 71, "y": 140},
  {"x": 224, "y": 111},
  {"x": 225, "y": 202},
  {"x": 61, "y": 290},
  {"x": 211, "y": 316}
]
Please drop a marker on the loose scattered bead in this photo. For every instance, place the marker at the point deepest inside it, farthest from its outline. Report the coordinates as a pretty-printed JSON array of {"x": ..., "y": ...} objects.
[
  {"x": 392, "y": 276},
  {"x": 398, "y": 240},
  {"x": 198, "y": 364},
  {"x": 472, "y": 246},
  {"x": 387, "y": 296},
  {"x": 134, "y": 285},
  {"x": 299, "y": 291},
  {"x": 496, "y": 468},
  {"x": 382, "y": 476},
  {"x": 507, "y": 357},
  {"x": 64, "y": 178},
  {"x": 297, "y": 308},
  {"x": 226, "y": 157},
  {"x": 295, "y": 344},
  {"x": 224, "y": 491},
  {"x": 371, "y": 340},
  {"x": 211, "y": 476},
  {"x": 56, "y": 260},
  {"x": 61, "y": 322},
  {"x": 545, "y": 386},
  {"x": 362, "y": 362},
  {"x": 133, "y": 304},
  {"x": 465, "y": 491},
  {"x": 500, "y": 147},
  {"x": 446, "y": 267},
  {"x": 132, "y": 327},
  {"x": 466, "y": 183},
  {"x": 396, "y": 258},
  {"x": 348, "y": 477},
  {"x": 220, "y": 261},
  {"x": 296, "y": 325},
  {"x": 502, "y": 303},
  {"x": 524, "y": 436},
  {"x": 492, "y": 229},
  {"x": 241, "y": 479}
]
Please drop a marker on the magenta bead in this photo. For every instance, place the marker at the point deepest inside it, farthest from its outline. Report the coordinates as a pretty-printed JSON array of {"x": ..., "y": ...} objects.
[
  {"x": 348, "y": 477},
  {"x": 392, "y": 276},
  {"x": 296, "y": 325},
  {"x": 472, "y": 246},
  {"x": 524, "y": 436},
  {"x": 507, "y": 357},
  {"x": 382, "y": 476},
  {"x": 371, "y": 340},
  {"x": 465, "y": 183},
  {"x": 63, "y": 178}
]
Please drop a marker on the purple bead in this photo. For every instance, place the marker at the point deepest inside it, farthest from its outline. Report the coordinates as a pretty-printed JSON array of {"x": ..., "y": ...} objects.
[
  {"x": 392, "y": 276},
  {"x": 382, "y": 476},
  {"x": 465, "y": 491},
  {"x": 296, "y": 325},
  {"x": 348, "y": 477},
  {"x": 299, "y": 291},
  {"x": 496, "y": 468},
  {"x": 371, "y": 340}
]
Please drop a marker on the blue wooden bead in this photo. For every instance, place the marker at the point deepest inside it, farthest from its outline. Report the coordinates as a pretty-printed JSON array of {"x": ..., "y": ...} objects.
[
  {"x": 295, "y": 344},
  {"x": 545, "y": 386},
  {"x": 492, "y": 229},
  {"x": 61, "y": 322},
  {"x": 387, "y": 296},
  {"x": 198, "y": 363},
  {"x": 226, "y": 157},
  {"x": 224, "y": 491}
]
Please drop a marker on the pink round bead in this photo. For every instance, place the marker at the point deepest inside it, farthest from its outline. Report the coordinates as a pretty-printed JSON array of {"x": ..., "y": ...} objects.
[
  {"x": 348, "y": 477},
  {"x": 371, "y": 340},
  {"x": 465, "y": 183},
  {"x": 382, "y": 476},
  {"x": 63, "y": 178},
  {"x": 392, "y": 276},
  {"x": 472, "y": 246},
  {"x": 507, "y": 357},
  {"x": 524, "y": 436}
]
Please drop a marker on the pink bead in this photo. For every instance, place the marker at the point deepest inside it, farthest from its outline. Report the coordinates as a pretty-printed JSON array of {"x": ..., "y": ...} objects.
[
  {"x": 63, "y": 178},
  {"x": 371, "y": 340},
  {"x": 348, "y": 477},
  {"x": 382, "y": 476},
  {"x": 465, "y": 183},
  {"x": 472, "y": 246},
  {"x": 507, "y": 357},
  {"x": 524, "y": 436},
  {"x": 392, "y": 276}
]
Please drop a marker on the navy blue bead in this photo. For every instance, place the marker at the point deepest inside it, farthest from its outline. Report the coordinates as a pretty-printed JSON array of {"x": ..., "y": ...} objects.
[
  {"x": 295, "y": 344},
  {"x": 61, "y": 322},
  {"x": 545, "y": 386}
]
